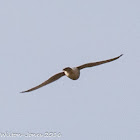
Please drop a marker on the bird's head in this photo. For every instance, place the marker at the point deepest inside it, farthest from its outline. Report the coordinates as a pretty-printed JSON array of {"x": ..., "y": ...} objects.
[{"x": 67, "y": 69}]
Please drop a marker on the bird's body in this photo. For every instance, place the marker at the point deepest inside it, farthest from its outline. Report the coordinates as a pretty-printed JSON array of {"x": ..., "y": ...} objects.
[{"x": 72, "y": 73}]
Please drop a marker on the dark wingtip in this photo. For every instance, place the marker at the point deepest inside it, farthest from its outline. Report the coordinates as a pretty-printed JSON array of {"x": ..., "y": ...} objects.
[
  {"x": 121, "y": 55},
  {"x": 23, "y": 92}
]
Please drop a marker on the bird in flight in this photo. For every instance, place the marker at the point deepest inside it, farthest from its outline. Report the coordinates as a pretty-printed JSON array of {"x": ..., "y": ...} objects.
[{"x": 72, "y": 73}]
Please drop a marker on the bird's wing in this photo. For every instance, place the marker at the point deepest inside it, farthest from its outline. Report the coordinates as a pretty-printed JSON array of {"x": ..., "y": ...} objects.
[
  {"x": 51, "y": 79},
  {"x": 97, "y": 63}
]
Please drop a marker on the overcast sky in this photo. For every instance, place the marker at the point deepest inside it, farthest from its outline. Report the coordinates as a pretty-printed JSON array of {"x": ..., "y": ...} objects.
[{"x": 38, "y": 38}]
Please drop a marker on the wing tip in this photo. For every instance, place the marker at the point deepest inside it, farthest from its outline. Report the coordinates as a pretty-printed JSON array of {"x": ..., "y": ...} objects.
[
  {"x": 121, "y": 55},
  {"x": 23, "y": 91}
]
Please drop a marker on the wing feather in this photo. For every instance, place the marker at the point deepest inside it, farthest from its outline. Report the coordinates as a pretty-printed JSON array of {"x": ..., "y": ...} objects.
[
  {"x": 50, "y": 80},
  {"x": 97, "y": 63}
]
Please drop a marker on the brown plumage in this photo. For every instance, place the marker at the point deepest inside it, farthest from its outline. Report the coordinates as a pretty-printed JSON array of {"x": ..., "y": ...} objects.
[{"x": 72, "y": 73}]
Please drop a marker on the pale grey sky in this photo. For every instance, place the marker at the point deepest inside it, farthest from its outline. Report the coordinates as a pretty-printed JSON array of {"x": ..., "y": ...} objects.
[{"x": 39, "y": 38}]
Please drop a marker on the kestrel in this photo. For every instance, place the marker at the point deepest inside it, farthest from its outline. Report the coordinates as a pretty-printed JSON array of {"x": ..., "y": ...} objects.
[{"x": 72, "y": 73}]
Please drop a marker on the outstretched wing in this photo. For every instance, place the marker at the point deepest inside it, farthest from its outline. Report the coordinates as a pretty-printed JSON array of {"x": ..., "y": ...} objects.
[
  {"x": 52, "y": 79},
  {"x": 97, "y": 63}
]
